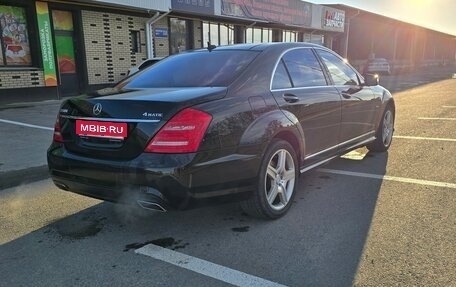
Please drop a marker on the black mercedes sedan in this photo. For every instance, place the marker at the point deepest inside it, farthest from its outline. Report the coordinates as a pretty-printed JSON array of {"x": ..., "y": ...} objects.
[{"x": 225, "y": 123}]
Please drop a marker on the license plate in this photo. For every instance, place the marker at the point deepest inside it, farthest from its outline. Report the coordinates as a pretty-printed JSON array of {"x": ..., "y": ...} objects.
[{"x": 101, "y": 129}]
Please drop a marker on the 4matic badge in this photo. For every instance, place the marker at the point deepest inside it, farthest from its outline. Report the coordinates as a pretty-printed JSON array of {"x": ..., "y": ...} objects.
[{"x": 153, "y": 115}]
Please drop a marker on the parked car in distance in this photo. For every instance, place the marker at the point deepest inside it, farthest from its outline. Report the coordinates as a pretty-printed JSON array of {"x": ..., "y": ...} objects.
[
  {"x": 212, "y": 125},
  {"x": 378, "y": 65},
  {"x": 144, "y": 64}
]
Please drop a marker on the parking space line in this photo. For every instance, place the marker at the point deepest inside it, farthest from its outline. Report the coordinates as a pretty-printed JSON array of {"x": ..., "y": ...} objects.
[
  {"x": 204, "y": 267},
  {"x": 438, "y": 119},
  {"x": 425, "y": 138},
  {"x": 26, "y": 125},
  {"x": 391, "y": 178}
]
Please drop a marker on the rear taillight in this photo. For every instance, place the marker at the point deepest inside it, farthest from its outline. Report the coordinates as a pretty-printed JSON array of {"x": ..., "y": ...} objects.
[
  {"x": 57, "y": 132},
  {"x": 183, "y": 133}
]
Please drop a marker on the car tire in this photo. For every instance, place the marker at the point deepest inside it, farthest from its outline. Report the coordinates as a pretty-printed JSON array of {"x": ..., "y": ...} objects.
[
  {"x": 384, "y": 134},
  {"x": 277, "y": 181}
]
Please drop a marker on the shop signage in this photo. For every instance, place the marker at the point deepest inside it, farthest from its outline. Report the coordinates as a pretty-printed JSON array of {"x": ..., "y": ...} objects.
[
  {"x": 289, "y": 12},
  {"x": 161, "y": 32},
  {"x": 194, "y": 6},
  {"x": 333, "y": 19},
  {"x": 47, "y": 50}
]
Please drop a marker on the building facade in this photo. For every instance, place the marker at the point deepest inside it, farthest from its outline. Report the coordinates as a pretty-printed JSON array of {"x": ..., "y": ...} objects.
[
  {"x": 406, "y": 46},
  {"x": 60, "y": 48}
]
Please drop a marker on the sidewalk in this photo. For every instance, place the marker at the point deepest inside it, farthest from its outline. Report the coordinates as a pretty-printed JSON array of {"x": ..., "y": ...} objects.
[
  {"x": 23, "y": 147},
  {"x": 26, "y": 131}
]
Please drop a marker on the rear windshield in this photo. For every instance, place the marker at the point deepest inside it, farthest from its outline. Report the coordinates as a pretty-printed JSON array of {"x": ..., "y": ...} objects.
[{"x": 194, "y": 69}]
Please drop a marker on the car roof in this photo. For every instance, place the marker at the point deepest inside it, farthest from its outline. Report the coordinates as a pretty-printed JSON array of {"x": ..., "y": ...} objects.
[{"x": 264, "y": 46}]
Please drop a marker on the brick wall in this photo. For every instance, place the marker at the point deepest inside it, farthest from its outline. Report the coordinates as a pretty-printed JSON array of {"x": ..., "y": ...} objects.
[
  {"x": 108, "y": 45},
  {"x": 161, "y": 45},
  {"x": 21, "y": 79}
]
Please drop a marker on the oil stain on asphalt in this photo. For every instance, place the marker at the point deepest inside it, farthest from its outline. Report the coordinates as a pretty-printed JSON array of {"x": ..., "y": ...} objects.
[{"x": 79, "y": 229}]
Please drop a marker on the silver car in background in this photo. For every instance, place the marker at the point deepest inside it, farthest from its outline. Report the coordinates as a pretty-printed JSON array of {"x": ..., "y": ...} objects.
[
  {"x": 378, "y": 65},
  {"x": 144, "y": 64}
]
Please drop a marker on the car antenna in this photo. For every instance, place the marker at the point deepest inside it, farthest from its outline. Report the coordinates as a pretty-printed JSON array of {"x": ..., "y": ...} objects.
[{"x": 210, "y": 47}]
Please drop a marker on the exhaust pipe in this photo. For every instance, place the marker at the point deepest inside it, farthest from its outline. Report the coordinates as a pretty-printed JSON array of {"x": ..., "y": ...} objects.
[
  {"x": 151, "y": 205},
  {"x": 61, "y": 185}
]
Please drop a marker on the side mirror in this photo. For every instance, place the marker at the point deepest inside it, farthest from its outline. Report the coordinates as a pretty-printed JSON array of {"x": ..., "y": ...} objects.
[{"x": 371, "y": 79}]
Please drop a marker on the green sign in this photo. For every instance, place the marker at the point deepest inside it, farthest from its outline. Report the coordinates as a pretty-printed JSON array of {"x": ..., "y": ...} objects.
[{"x": 47, "y": 50}]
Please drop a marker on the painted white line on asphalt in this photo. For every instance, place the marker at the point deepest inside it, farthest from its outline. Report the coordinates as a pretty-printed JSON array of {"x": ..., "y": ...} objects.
[
  {"x": 204, "y": 267},
  {"x": 26, "y": 125},
  {"x": 449, "y": 107},
  {"x": 424, "y": 138},
  {"x": 392, "y": 178},
  {"x": 438, "y": 119}
]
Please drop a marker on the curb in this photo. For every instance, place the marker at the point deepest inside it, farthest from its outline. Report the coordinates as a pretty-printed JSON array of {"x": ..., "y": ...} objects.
[{"x": 23, "y": 176}]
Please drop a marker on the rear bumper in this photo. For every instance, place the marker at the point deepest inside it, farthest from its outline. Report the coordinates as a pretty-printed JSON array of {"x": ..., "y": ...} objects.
[{"x": 172, "y": 181}]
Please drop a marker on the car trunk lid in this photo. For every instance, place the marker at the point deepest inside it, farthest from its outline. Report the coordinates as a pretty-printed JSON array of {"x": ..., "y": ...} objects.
[{"x": 118, "y": 124}]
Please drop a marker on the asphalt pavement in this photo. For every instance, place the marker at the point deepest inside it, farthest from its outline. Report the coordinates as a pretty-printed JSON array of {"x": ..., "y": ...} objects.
[
  {"x": 364, "y": 219},
  {"x": 26, "y": 127}
]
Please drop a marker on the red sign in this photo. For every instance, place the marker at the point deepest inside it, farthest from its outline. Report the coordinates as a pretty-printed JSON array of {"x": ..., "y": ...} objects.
[{"x": 101, "y": 129}]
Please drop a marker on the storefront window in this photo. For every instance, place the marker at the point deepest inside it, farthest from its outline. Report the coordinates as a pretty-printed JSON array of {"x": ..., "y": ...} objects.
[
  {"x": 178, "y": 35},
  {"x": 258, "y": 35},
  {"x": 267, "y": 35},
  {"x": 214, "y": 34},
  {"x": 206, "y": 34},
  {"x": 218, "y": 33},
  {"x": 249, "y": 35},
  {"x": 226, "y": 34},
  {"x": 290, "y": 36},
  {"x": 15, "y": 45},
  {"x": 64, "y": 33}
]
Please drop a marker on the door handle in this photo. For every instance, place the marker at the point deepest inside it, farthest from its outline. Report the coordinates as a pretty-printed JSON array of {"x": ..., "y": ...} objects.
[
  {"x": 290, "y": 98},
  {"x": 346, "y": 95}
]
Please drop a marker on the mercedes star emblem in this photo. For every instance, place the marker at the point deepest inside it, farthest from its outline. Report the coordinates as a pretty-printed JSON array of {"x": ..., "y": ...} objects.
[{"x": 97, "y": 109}]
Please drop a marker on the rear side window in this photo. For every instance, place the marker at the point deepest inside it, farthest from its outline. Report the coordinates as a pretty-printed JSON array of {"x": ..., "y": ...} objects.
[
  {"x": 304, "y": 68},
  {"x": 195, "y": 69},
  {"x": 340, "y": 72},
  {"x": 281, "y": 78}
]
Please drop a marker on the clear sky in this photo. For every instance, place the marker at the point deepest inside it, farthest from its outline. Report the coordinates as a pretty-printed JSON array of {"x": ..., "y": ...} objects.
[{"x": 438, "y": 15}]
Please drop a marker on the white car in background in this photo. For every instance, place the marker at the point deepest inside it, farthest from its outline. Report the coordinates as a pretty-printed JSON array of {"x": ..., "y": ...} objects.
[
  {"x": 144, "y": 64},
  {"x": 378, "y": 65}
]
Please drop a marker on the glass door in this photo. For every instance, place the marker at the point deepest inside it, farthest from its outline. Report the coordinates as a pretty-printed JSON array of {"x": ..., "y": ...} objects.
[
  {"x": 64, "y": 44},
  {"x": 178, "y": 36}
]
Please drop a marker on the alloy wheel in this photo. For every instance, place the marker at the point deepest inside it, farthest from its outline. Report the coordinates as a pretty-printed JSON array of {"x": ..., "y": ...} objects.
[
  {"x": 388, "y": 126},
  {"x": 280, "y": 179}
]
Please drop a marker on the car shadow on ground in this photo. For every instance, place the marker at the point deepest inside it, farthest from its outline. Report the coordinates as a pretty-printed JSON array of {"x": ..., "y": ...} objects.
[{"x": 320, "y": 242}]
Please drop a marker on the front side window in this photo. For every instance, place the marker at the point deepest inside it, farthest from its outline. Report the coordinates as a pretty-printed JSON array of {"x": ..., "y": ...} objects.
[
  {"x": 304, "y": 68},
  {"x": 340, "y": 72},
  {"x": 15, "y": 45},
  {"x": 195, "y": 69}
]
